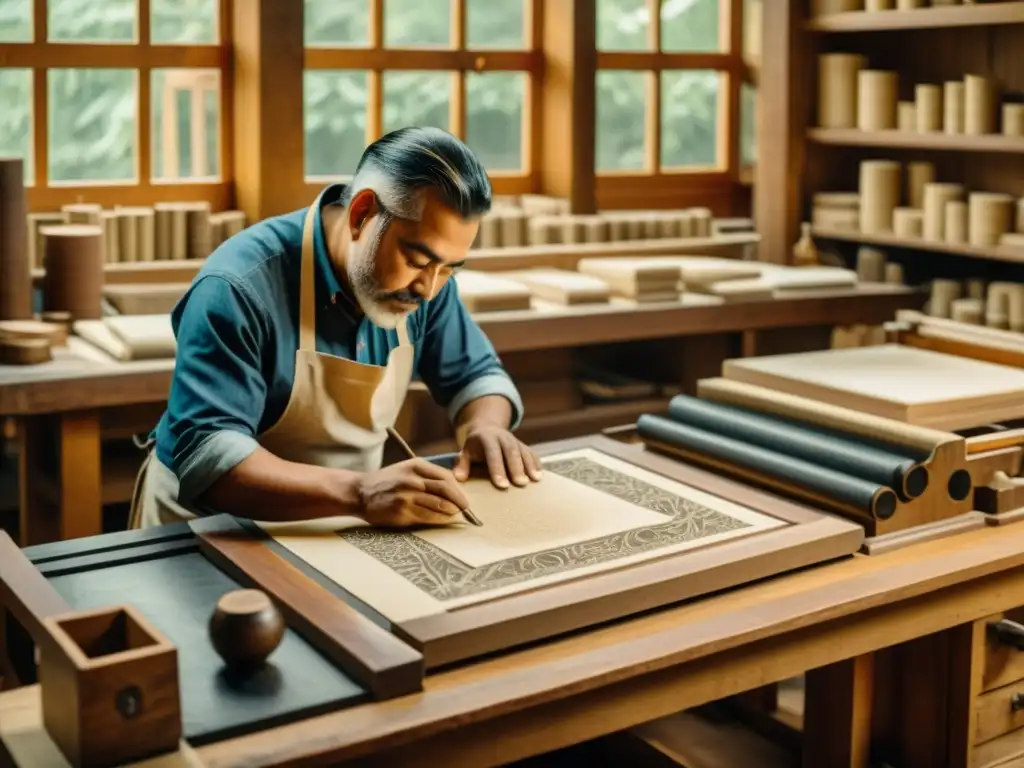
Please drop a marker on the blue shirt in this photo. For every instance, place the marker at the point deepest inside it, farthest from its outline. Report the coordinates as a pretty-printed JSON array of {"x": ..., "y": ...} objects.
[{"x": 237, "y": 335}]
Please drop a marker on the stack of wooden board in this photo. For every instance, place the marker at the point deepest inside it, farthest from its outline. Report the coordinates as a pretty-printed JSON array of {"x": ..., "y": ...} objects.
[
  {"x": 144, "y": 298},
  {"x": 561, "y": 286},
  {"x": 483, "y": 292},
  {"x": 915, "y": 386},
  {"x": 640, "y": 279},
  {"x": 130, "y": 337}
]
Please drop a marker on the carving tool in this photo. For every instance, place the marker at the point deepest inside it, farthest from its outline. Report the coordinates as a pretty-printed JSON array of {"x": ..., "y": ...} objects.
[{"x": 410, "y": 453}]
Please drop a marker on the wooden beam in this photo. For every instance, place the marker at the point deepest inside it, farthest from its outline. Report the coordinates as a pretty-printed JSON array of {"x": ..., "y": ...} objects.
[
  {"x": 268, "y": 104},
  {"x": 568, "y": 135},
  {"x": 778, "y": 204}
]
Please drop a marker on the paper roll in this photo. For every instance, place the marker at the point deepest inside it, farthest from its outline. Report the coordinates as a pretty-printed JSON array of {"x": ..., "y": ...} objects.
[
  {"x": 990, "y": 215},
  {"x": 955, "y": 222},
  {"x": 877, "y": 96},
  {"x": 936, "y": 195},
  {"x": 979, "y": 105},
  {"x": 928, "y": 101},
  {"x": 907, "y": 222},
  {"x": 837, "y": 89},
  {"x": 906, "y": 116},
  {"x": 971, "y": 311},
  {"x": 953, "y": 107},
  {"x": 918, "y": 175},
  {"x": 879, "y": 194},
  {"x": 1013, "y": 120}
]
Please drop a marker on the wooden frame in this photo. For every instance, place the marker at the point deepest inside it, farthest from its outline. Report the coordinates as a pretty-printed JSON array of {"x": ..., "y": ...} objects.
[
  {"x": 504, "y": 622},
  {"x": 377, "y": 58},
  {"x": 620, "y": 189},
  {"x": 143, "y": 57}
]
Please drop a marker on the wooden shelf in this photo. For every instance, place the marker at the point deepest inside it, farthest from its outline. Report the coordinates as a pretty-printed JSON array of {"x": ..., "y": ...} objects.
[
  {"x": 849, "y": 137},
  {"x": 969, "y": 251},
  {"x": 921, "y": 18}
]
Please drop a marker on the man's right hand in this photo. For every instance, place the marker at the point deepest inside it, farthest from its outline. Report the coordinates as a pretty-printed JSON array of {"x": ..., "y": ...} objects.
[{"x": 413, "y": 492}]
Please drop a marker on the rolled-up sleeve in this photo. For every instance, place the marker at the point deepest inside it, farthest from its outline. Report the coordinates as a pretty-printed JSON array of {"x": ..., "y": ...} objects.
[
  {"x": 218, "y": 391},
  {"x": 458, "y": 362}
]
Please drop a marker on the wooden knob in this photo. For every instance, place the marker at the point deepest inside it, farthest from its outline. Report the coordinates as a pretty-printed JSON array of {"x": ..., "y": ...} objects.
[{"x": 245, "y": 628}]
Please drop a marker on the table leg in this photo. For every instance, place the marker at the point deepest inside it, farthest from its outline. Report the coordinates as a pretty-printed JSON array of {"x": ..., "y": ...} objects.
[
  {"x": 81, "y": 475},
  {"x": 35, "y": 523},
  {"x": 837, "y": 714}
]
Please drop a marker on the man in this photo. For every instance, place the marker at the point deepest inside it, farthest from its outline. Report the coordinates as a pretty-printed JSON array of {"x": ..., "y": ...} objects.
[{"x": 297, "y": 342}]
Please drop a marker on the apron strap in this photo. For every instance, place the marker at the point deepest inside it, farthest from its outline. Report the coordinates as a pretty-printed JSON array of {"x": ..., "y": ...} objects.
[
  {"x": 307, "y": 284},
  {"x": 403, "y": 333}
]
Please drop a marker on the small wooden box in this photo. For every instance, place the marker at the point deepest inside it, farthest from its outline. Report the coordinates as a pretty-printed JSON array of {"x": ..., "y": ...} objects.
[{"x": 109, "y": 687}]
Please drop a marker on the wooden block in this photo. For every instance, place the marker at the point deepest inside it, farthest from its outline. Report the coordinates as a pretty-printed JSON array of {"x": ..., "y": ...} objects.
[
  {"x": 483, "y": 292},
  {"x": 371, "y": 655},
  {"x": 109, "y": 685},
  {"x": 25, "y": 351},
  {"x": 145, "y": 298},
  {"x": 562, "y": 286}
]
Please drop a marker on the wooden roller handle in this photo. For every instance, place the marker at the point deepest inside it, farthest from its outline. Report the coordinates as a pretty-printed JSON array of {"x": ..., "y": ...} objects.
[{"x": 1008, "y": 632}]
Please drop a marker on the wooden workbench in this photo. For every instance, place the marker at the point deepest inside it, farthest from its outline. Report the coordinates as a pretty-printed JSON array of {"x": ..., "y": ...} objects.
[
  {"x": 842, "y": 623},
  {"x": 72, "y": 397}
]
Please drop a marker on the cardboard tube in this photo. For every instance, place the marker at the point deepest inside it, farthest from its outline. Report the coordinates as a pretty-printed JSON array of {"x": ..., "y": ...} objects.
[
  {"x": 1013, "y": 120},
  {"x": 837, "y": 89},
  {"x": 928, "y": 100},
  {"x": 918, "y": 175},
  {"x": 953, "y": 107},
  {"x": 954, "y": 229},
  {"x": 877, "y": 96},
  {"x": 979, "y": 105},
  {"x": 989, "y": 217},
  {"x": 879, "y": 194},
  {"x": 906, "y": 116}
]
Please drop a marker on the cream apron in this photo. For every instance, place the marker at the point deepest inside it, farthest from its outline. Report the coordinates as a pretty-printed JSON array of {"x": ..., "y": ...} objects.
[{"x": 337, "y": 415}]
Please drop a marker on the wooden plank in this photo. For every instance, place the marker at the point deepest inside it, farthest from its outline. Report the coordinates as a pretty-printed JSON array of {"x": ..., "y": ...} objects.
[
  {"x": 995, "y": 253},
  {"x": 837, "y": 714},
  {"x": 971, "y": 15},
  {"x": 372, "y": 656},
  {"x": 24, "y": 591},
  {"x": 849, "y": 137}
]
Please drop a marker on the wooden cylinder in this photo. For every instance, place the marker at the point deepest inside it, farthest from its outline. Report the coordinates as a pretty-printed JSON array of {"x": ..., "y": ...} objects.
[
  {"x": 171, "y": 239},
  {"x": 919, "y": 174},
  {"x": 74, "y": 270},
  {"x": 199, "y": 233},
  {"x": 906, "y": 116},
  {"x": 825, "y": 7},
  {"x": 1013, "y": 120},
  {"x": 990, "y": 215},
  {"x": 928, "y": 102},
  {"x": 979, "y": 105},
  {"x": 15, "y": 269},
  {"x": 894, "y": 273},
  {"x": 936, "y": 195},
  {"x": 907, "y": 222},
  {"x": 877, "y": 96},
  {"x": 943, "y": 294},
  {"x": 909, "y": 5},
  {"x": 871, "y": 265},
  {"x": 954, "y": 225},
  {"x": 953, "y": 107},
  {"x": 879, "y": 194},
  {"x": 837, "y": 89},
  {"x": 128, "y": 233},
  {"x": 967, "y": 310},
  {"x": 879, "y": 5}
]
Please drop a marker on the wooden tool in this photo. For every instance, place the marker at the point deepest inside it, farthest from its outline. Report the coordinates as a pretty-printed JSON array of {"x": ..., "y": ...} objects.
[
  {"x": 114, "y": 650},
  {"x": 245, "y": 629},
  {"x": 393, "y": 434}
]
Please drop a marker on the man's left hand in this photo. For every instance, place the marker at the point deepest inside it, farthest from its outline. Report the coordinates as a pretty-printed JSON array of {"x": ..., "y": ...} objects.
[{"x": 505, "y": 456}]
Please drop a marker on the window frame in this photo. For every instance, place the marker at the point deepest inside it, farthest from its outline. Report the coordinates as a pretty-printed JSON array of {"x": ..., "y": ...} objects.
[
  {"x": 655, "y": 185},
  {"x": 375, "y": 59},
  {"x": 142, "y": 56}
]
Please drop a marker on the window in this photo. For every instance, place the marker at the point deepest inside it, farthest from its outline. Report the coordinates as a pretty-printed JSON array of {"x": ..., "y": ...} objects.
[
  {"x": 108, "y": 107},
  {"x": 752, "y": 31},
  {"x": 668, "y": 81},
  {"x": 469, "y": 67}
]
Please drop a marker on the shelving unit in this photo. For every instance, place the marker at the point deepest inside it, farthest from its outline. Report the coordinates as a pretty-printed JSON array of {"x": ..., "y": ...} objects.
[{"x": 935, "y": 45}]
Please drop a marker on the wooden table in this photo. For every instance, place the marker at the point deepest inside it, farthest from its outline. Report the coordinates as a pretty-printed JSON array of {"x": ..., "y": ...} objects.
[
  {"x": 72, "y": 396},
  {"x": 834, "y": 621}
]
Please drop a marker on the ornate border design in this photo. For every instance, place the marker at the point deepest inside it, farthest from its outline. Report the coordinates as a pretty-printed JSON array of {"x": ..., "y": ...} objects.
[{"x": 444, "y": 577}]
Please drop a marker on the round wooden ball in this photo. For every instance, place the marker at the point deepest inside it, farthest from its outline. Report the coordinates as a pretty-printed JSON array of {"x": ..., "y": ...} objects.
[{"x": 245, "y": 628}]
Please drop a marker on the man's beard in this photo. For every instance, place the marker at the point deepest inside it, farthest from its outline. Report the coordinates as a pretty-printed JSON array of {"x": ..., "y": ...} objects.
[{"x": 365, "y": 285}]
